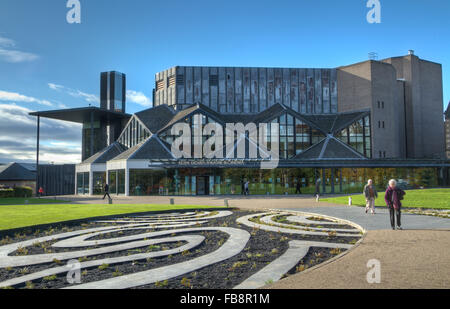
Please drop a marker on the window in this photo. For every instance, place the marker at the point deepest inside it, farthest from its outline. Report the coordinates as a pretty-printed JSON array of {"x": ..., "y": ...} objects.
[
  {"x": 159, "y": 85},
  {"x": 382, "y": 105},
  {"x": 171, "y": 81},
  {"x": 214, "y": 80},
  {"x": 180, "y": 80},
  {"x": 358, "y": 136},
  {"x": 135, "y": 133}
]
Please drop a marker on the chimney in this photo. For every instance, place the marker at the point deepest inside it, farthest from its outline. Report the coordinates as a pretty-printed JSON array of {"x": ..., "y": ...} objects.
[{"x": 411, "y": 52}]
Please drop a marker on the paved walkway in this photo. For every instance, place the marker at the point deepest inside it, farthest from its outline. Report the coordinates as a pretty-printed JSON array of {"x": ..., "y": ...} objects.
[
  {"x": 379, "y": 221},
  {"x": 409, "y": 259}
]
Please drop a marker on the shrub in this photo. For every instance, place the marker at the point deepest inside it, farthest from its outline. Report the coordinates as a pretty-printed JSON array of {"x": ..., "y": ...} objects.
[
  {"x": 6, "y": 193},
  {"x": 23, "y": 192}
]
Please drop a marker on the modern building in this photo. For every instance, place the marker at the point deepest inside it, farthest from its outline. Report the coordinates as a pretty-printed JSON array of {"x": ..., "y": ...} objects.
[
  {"x": 17, "y": 175},
  {"x": 340, "y": 126},
  {"x": 447, "y": 131}
]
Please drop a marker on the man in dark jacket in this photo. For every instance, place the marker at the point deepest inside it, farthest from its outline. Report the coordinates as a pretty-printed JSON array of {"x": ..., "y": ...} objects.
[
  {"x": 106, "y": 191},
  {"x": 393, "y": 199}
]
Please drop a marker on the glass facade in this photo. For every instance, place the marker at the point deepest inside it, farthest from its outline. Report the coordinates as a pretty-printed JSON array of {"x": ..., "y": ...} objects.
[
  {"x": 282, "y": 181},
  {"x": 82, "y": 183},
  {"x": 99, "y": 179},
  {"x": 358, "y": 136},
  {"x": 86, "y": 138},
  {"x": 116, "y": 180},
  {"x": 134, "y": 134},
  {"x": 295, "y": 136}
]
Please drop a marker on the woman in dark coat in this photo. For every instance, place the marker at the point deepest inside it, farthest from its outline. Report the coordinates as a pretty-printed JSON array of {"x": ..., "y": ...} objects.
[{"x": 393, "y": 198}]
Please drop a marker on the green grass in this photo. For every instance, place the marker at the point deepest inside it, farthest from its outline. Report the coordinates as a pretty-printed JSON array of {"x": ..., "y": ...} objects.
[
  {"x": 31, "y": 200},
  {"x": 428, "y": 199},
  {"x": 29, "y": 215}
]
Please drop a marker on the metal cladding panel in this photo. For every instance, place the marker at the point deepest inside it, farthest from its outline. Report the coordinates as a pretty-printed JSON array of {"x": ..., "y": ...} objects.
[
  {"x": 230, "y": 90},
  {"x": 333, "y": 91},
  {"x": 250, "y": 90},
  {"x": 318, "y": 92},
  {"x": 246, "y": 89},
  {"x": 254, "y": 91},
  {"x": 279, "y": 86},
  {"x": 294, "y": 90},
  {"x": 262, "y": 89},
  {"x": 214, "y": 91},
  {"x": 222, "y": 91},
  {"x": 173, "y": 88},
  {"x": 197, "y": 85},
  {"x": 286, "y": 88},
  {"x": 205, "y": 87},
  {"x": 238, "y": 107},
  {"x": 181, "y": 90},
  {"x": 270, "y": 87},
  {"x": 326, "y": 91},
  {"x": 310, "y": 91},
  {"x": 189, "y": 85},
  {"x": 302, "y": 95},
  {"x": 164, "y": 91}
]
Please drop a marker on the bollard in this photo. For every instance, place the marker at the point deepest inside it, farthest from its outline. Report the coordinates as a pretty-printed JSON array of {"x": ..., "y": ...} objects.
[
  {"x": 350, "y": 201},
  {"x": 110, "y": 201},
  {"x": 317, "y": 198},
  {"x": 172, "y": 201},
  {"x": 226, "y": 203}
]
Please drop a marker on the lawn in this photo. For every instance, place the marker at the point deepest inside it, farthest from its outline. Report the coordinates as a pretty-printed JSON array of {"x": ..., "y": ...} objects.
[
  {"x": 428, "y": 199},
  {"x": 25, "y": 201},
  {"x": 29, "y": 215}
]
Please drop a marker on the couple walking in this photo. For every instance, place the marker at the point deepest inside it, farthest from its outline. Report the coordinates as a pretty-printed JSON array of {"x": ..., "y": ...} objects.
[{"x": 392, "y": 197}]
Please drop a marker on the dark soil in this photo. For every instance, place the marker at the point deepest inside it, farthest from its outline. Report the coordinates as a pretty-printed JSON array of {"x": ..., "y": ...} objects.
[{"x": 262, "y": 248}]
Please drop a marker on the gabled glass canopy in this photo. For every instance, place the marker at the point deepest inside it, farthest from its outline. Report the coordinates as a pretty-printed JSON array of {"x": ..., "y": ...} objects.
[{"x": 134, "y": 133}]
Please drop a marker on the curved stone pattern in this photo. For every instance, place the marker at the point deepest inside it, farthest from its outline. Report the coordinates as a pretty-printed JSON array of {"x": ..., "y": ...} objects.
[
  {"x": 266, "y": 223},
  {"x": 181, "y": 228},
  {"x": 281, "y": 266}
]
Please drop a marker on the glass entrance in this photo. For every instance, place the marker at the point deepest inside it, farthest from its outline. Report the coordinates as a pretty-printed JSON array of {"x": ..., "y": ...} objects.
[{"x": 202, "y": 185}]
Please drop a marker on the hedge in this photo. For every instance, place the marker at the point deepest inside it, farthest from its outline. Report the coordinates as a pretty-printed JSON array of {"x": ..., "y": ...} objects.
[
  {"x": 6, "y": 193},
  {"x": 16, "y": 192},
  {"x": 23, "y": 192}
]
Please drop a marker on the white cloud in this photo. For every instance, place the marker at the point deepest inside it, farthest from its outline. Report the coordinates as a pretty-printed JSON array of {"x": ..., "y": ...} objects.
[
  {"x": 4, "y": 42},
  {"x": 17, "y": 97},
  {"x": 91, "y": 98},
  {"x": 12, "y": 55},
  {"x": 60, "y": 141},
  {"x": 138, "y": 98}
]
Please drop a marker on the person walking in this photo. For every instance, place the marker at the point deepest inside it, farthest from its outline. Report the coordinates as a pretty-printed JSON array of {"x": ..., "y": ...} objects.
[
  {"x": 298, "y": 189},
  {"x": 246, "y": 185},
  {"x": 393, "y": 198},
  {"x": 370, "y": 193},
  {"x": 41, "y": 192},
  {"x": 317, "y": 194},
  {"x": 106, "y": 188}
]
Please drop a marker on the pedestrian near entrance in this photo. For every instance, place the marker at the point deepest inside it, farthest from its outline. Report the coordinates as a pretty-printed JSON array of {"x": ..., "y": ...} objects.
[
  {"x": 298, "y": 189},
  {"x": 317, "y": 194},
  {"x": 41, "y": 192},
  {"x": 393, "y": 198},
  {"x": 246, "y": 185},
  {"x": 370, "y": 193},
  {"x": 106, "y": 188}
]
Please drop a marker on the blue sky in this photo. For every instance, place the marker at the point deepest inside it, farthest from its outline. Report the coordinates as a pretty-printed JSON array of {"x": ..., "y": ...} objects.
[{"x": 47, "y": 63}]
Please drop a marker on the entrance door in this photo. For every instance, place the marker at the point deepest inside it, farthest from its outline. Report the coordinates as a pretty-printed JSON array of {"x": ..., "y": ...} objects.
[{"x": 202, "y": 185}]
